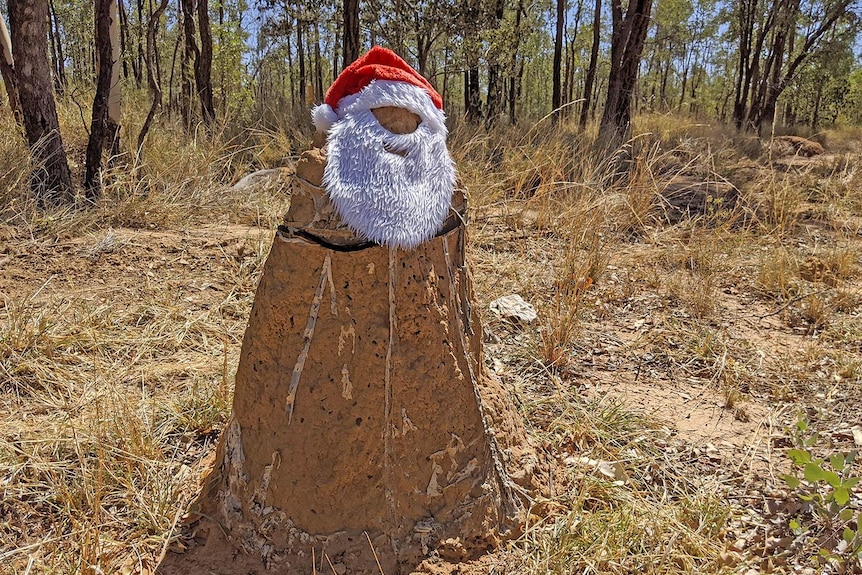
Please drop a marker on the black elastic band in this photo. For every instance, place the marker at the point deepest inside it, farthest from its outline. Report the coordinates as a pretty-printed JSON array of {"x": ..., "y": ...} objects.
[
  {"x": 286, "y": 231},
  {"x": 449, "y": 225}
]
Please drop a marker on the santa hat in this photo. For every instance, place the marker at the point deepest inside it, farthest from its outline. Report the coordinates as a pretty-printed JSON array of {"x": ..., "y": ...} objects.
[{"x": 379, "y": 78}]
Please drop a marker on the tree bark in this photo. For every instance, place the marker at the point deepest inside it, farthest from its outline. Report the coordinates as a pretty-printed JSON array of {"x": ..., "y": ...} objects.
[
  {"x": 191, "y": 56},
  {"x": 591, "y": 69},
  {"x": 51, "y": 180},
  {"x": 124, "y": 49},
  {"x": 204, "y": 64},
  {"x": 7, "y": 70},
  {"x": 515, "y": 71},
  {"x": 494, "y": 101},
  {"x": 61, "y": 59},
  {"x": 155, "y": 86},
  {"x": 99, "y": 121},
  {"x": 318, "y": 65},
  {"x": 351, "y": 31},
  {"x": 116, "y": 92},
  {"x": 556, "y": 96},
  {"x": 627, "y": 43},
  {"x": 59, "y": 66},
  {"x": 139, "y": 56},
  {"x": 300, "y": 48},
  {"x": 472, "y": 96}
]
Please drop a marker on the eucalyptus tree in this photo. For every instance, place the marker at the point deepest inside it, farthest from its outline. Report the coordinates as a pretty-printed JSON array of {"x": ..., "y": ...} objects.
[
  {"x": 7, "y": 69},
  {"x": 629, "y": 30},
  {"x": 775, "y": 39},
  {"x": 104, "y": 122},
  {"x": 51, "y": 180},
  {"x": 591, "y": 68}
]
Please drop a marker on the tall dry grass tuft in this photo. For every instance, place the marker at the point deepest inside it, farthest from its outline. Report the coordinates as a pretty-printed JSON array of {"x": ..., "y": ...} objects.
[
  {"x": 113, "y": 407},
  {"x": 180, "y": 177}
]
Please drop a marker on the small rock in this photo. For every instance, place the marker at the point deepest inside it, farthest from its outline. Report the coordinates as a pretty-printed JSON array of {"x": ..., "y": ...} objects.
[{"x": 514, "y": 307}]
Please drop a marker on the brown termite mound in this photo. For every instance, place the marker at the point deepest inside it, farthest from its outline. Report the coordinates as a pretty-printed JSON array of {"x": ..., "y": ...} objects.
[
  {"x": 366, "y": 432},
  {"x": 364, "y": 421}
]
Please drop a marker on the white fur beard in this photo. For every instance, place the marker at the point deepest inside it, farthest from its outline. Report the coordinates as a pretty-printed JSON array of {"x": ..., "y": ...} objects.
[{"x": 389, "y": 198}]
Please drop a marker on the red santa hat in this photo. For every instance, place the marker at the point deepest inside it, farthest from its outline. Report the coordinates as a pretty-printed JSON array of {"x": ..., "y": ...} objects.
[{"x": 379, "y": 78}]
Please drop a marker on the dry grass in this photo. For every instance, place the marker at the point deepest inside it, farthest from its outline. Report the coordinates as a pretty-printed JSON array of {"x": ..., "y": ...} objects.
[{"x": 119, "y": 339}]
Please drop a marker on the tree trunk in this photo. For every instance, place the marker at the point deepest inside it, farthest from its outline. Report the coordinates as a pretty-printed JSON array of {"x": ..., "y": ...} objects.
[
  {"x": 472, "y": 95},
  {"x": 318, "y": 65},
  {"x": 351, "y": 31},
  {"x": 171, "y": 100},
  {"x": 155, "y": 87},
  {"x": 300, "y": 48},
  {"x": 780, "y": 80},
  {"x": 139, "y": 56},
  {"x": 99, "y": 121},
  {"x": 115, "y": 95},
  {"x": 494, "y": 101},
  {"x": 745, "y": 18},
  {"x": 569, "y": 48},
  {"x": 191, "y": 56},
  {"x": 54, "y": 39},
  {"x": 514, "y": 71},
  {"x": 61, "y": 59},
  {"x": 7, "y": 70},
  {"x": 627, "y": 45},
  {"x": 591, "y": 69},
  {"x": 51, "y": 180},
  {"x": 124, "y": 43},
  {"x": 204, "y": 64},
  {"x": 556, "y": 97}
]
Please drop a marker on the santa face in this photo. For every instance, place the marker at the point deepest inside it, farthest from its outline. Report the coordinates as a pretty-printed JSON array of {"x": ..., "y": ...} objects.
[{"x": 393, "y": 189}]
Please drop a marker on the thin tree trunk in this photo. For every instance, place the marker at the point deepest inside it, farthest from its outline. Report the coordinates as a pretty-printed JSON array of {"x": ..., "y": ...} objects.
[
  {"x": 124, "y": 42},
  {"x": 556, "y": 96},
  {"x": 139, "y": 67},
  {"x": 191, "y": 56},
  {"x": 472, "y": 96},
  {"x": 591, "y": 69},
  {"x": 300, "y": 47},
  {"x": 318, "y": 65},
  {"x": 51, "y": 180},
  {"x": 204, "y": 64},
  {"x": 173, "y": 69},
  {"x": 99, "y": 120},
  {"x": 496, "y": 89},
  {"x": 514, "y": 78},
  {"x": 569, "y": 47},
  {"x": 61, "y": 59},
  {"x": 115, "y": 95},
  {"x": 7, "y": 70},
  {"x": 445, "y": 91},
  {"x": 55, "y": 60},
  {"x": 155, "y": 86},
  {"x": 351, "y": 31},
  {"x": 628, "y": 37},
  {"x": 291, "y": 75}
]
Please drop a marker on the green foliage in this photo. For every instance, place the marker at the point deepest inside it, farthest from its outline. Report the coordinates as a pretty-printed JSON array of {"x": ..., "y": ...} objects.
[
  {"x": 824, "y": 488},
  {"x": 852, "y": 109}
]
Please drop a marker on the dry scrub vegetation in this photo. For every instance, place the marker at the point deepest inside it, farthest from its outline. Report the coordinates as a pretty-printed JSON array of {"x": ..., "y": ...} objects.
[{"x": 690, "y": 315}]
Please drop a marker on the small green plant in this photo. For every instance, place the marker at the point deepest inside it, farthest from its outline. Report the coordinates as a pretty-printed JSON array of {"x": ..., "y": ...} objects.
[{"x": 825, "y": 490}]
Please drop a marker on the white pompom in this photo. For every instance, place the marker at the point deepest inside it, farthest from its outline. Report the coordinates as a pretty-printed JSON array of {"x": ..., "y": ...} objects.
[{"x": 323, "y": 117}]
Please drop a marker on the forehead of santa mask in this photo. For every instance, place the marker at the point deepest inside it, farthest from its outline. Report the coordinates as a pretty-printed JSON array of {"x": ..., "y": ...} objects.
[{"x": 385, "y": 93}]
